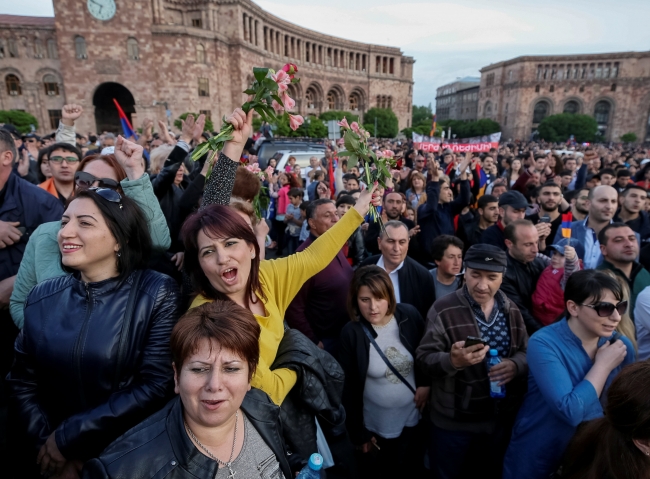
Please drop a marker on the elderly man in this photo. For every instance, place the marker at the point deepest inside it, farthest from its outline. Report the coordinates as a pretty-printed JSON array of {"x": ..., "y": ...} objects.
[
  {"x": 314, "y": 166},
  {"x": 619, "y": 246},
  {"x": 525, "y": 265},
  {"x": 470, "y": 430},
  {"x": 412, "y": 282},
  {"x": 319, "y": 309},
  {"x": 602, "y": 205}
]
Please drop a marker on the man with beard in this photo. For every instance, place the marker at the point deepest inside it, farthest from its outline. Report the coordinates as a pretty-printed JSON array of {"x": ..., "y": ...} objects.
[
  {"x": 620, "y": 248},
  {"x": 602, "y": 204},
  {"x": 512, "y": 207},
  {"x": 552, "y": 205},
  {"x": 392, "y": 208},
  {"x": 632, "y": 212},
  {"x": 579, "y": 200}
]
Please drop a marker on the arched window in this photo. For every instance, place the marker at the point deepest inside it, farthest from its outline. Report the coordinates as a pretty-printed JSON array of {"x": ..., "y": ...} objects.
[
  {"x": 51, "y": 85},
  {"x": 331, "y": 101},
  {"x": 13, "y": 85},
  {"x": 601, "y": 112},
  {"x": 571, "y": 106},
  {"x": 310, "y": 97},
  {"x": 487, "y": 109},
  {"x": 354, "y": 102},
  {"x": 51, "y": 48},
  {"x": 200, "y": 54},
  {"x": 132, "y": 49},
  {"x": 541, "y": 111},
  {"x": 80, "y": 48}
]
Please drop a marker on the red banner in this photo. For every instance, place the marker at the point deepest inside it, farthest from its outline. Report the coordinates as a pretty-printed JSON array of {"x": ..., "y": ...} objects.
[
  {"x": 456, "y": 147},
  {"x": 478, "y": 144}
]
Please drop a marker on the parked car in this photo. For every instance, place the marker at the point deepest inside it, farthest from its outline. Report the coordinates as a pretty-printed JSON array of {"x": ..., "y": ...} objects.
[{"x": 268, "y": 148}]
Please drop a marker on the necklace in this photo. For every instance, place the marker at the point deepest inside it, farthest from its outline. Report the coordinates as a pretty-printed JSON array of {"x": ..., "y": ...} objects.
[
  {"x": 382, "y": 327},
  {"x": 212, "y": 456}
]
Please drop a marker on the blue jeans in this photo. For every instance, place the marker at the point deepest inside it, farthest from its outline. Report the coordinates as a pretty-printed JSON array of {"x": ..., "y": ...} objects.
[{"x": 460, "y": 455}]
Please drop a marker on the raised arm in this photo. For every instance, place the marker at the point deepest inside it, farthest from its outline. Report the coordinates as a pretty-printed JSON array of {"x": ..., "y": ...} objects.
[
  {"x": 65, "y": 133},
  {"x": 218, "y": 187}
]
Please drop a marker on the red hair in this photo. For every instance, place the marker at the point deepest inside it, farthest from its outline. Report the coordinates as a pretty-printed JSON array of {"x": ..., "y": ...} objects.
[{"x": 218, "y": 221}]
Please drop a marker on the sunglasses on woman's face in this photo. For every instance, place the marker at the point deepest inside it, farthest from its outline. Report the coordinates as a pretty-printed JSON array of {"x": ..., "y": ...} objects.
[
  {"x": 86, "y": 180},
  {"x": 607, "y": 309}
]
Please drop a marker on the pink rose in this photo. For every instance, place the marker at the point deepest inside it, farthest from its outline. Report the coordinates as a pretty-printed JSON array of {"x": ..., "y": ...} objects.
[
  {"x": 388, "y": 154},
  {"x": 291, "y": 69},
  {"x": 344, "y": 123},
  {"x": 289, "y": 103},
  {"x": 295, "y": 121},
  {"x": 355, "y": 127},
  {"x": 279, "y": 109}
]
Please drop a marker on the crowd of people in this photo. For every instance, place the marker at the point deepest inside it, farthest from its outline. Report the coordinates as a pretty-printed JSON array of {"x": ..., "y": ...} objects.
[{"x": 163, "y": 317}]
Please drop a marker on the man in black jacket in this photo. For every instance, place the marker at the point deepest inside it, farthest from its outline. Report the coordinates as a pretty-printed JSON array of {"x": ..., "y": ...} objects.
[
  {"x": 471, "y": 226},
  {"x": 525, "y": 265},
  {"x": 412, "y": 283},
  {"x": 392, "y": 208}
]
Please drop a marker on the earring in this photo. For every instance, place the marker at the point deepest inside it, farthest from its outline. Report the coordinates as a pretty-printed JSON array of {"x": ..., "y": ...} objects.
[
  {"x": 252, "y": 255},
  {"x": 118, "y": 254}
]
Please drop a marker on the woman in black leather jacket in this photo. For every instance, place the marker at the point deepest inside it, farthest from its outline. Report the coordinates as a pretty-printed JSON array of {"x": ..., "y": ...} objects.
[
  {"x": 93, "y": 357},
  {"x": 217, "y": 426}
]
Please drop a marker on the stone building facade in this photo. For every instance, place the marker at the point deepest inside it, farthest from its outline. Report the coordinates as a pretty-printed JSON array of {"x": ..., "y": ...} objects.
[
  {"x": 166, "y": 57},
  {"x": 458, "y": 100},
  {"x": 614, "y": 88}
]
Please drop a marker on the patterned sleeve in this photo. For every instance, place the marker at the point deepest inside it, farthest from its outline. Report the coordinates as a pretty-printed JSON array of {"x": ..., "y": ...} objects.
[{"x": 218, "y": 188}]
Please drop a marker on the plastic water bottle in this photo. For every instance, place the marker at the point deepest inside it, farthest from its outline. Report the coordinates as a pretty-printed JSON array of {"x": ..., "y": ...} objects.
[
  {"x": 496, "y": 391},
  {"x": 313, "y": 468}
]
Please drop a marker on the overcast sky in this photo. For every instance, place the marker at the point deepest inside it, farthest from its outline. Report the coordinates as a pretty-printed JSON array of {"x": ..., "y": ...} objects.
[{"x": 450, "y": 40}]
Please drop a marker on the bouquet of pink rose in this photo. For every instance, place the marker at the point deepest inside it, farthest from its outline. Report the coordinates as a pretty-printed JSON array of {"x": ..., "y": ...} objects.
[
  {"x": 269, "y": 99},
  {"x": 376, "y": 165}
]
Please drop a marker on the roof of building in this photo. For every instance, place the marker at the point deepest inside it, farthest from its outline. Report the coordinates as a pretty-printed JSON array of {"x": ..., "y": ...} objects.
[
  {"x": 24, "y": 20},
  {"x": 574, "y": 57}
]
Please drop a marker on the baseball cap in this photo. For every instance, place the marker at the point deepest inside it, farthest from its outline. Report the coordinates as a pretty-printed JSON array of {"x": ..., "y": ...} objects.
[
  {"x": 592, "y": 176},
  {"x": 31, "y": 135},
  {"x": 559, "y": 246},
  {"x": 514, "y": 199},
  {"x": 486, "y": 257},
  {"x": 12, "y": 129},
  {"x": 644, "y": 161}
]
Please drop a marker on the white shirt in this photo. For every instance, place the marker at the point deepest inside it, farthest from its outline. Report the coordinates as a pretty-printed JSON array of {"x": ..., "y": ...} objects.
[{"x": 392, "y": 275}]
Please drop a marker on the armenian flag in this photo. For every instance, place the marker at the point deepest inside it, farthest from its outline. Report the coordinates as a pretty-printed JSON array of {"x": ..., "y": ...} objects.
[
  {"x": 566, "y": 225},
  {"x": 126, "y": 124}
]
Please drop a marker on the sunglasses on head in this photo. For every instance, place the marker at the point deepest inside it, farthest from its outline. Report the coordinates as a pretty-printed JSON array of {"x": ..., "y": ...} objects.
[
  {"x": 86, "y": 180},
  {"x": 607, "y": 309},
  {"x": 108, "y": 194},
  {"x": 60, "y": 159}
]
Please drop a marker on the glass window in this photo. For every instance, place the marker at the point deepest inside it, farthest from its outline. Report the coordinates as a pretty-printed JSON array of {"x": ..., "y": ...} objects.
[
  {"x": 601, "y": 112},
  {"x": 51, "y": 48},
  {"x": 13, "y": 85},
  {"x": 571, "y": 106},
  {"x": 200, "y": 53},
  {"x": 55, "y": 117},
  {"x": 541, "y": 111},
  {"x": 132, "y": 49},
  {"x": 51, "y": 85},
  {"x": 204, "y": 87},
  {"x": 80, "y": 48}
]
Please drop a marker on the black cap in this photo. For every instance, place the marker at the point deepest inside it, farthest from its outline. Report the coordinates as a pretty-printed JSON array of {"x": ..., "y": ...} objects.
[
  {"x": 514, "y": 199},
  {"x": 32, "y": 135},
  {"x": 592, "y": 176},
  {"x": 486, "y": 257},
  {"x": 12, "y": 129}
]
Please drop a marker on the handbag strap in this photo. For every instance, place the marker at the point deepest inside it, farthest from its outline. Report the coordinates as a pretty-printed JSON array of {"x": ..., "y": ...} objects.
[
  {"x": 126, "y": 328},
  {"x": 385, "y": 359}
]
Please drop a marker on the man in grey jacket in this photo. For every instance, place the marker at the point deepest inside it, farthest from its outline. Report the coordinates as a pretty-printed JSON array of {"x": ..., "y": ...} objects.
[{"x": 470, "y": 429}]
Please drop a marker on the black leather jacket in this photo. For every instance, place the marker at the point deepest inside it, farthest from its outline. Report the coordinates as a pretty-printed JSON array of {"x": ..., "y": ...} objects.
[
  {"x": 160, "y": 447},
  {"x": 64, "y": 378}
]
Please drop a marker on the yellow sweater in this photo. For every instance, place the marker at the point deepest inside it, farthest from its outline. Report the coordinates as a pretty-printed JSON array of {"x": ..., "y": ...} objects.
[{"x": 281, "y": 279}]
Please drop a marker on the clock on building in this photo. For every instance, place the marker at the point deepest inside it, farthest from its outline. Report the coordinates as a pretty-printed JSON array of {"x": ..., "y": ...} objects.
[{"x": 102, "y": 9}]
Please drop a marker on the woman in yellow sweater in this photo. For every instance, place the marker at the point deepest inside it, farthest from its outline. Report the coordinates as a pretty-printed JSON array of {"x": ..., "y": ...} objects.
[{"x": 222, "y": 256}]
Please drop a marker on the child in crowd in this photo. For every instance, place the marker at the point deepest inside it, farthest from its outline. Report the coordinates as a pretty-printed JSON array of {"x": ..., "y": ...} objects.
[
  {"x": 304, "y": 232},
  {"x": 294, "y": 220},
  {"x": 548, "y": 298}
]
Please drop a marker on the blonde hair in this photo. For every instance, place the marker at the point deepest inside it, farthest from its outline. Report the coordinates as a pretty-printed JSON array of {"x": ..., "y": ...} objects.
[
  {"x": 157, "y": 158},
  {"x": 626, "y": 326}
]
